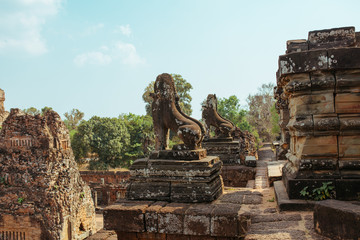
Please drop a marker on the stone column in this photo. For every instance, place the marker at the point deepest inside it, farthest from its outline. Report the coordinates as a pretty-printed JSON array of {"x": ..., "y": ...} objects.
[{"x": 320, "y": 80}]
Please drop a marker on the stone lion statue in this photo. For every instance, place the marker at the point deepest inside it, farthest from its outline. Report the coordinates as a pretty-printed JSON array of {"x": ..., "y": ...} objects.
[
  {"x": 167, "y": 115},
  {"x": 211, "y": 117}
]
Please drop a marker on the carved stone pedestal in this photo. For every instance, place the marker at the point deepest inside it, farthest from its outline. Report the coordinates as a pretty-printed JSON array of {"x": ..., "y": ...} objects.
[
  {"x": 194, "y": 178},
  {"x": 225, "y": 148}
]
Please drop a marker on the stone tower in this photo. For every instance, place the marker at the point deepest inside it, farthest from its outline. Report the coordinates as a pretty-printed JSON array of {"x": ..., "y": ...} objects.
[{"x": 42, "y": 195}]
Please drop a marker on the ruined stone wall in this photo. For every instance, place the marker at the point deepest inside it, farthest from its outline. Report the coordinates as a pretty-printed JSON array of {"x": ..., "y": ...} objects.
[
  {"x": 319, "y": 78},
  {"x": 40, "y": 182},
  {"x": 107, "y": 187},
  {"x": 3, "y": 113}
]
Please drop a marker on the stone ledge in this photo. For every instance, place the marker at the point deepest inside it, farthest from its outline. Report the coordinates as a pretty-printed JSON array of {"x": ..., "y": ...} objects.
[
  {"x": 337, "y": 219},
  {"x": 286, "y": 204},
  {"x": 221, "y": 218}
]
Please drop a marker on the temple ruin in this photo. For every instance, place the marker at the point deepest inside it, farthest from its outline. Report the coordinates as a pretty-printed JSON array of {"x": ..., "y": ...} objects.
[
  {"x": 42, "y": 195},
  {"x": 318, "y": 88},
  {"x": 3, "y": 113}
]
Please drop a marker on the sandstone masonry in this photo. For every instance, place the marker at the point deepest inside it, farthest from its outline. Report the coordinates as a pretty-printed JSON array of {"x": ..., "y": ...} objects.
[
  {"x": 42, "y": 195},
  {"x": 319, "y": 80}
]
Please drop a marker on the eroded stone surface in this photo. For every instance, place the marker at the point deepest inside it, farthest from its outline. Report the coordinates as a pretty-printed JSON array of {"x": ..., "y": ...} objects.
[
  {"x": 319, "y": 88},
  {"x": 40, "y": 182}
]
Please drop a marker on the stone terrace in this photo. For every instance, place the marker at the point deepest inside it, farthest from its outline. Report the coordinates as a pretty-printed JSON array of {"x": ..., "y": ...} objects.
[{"x": 256, "y": 204}]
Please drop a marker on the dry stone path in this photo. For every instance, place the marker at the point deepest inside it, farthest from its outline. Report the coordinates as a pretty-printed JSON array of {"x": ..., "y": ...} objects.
[{"x": 266, "y": 221}]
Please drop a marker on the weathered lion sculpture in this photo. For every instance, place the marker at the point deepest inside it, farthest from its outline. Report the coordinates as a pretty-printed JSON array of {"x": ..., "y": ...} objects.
[
  {"x": 167, "y": 115},
  {"x": 223, "y": 127}
]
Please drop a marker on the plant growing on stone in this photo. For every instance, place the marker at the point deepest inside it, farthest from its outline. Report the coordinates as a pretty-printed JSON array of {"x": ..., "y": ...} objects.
[
  {"x": 326, "y": 191},
  {"x": 82, "y": 195},
  {"x": 20, "y": 200}
]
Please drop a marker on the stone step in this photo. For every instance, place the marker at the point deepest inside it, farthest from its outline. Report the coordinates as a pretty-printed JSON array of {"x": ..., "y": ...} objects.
[{"x": 250, "y": 184}]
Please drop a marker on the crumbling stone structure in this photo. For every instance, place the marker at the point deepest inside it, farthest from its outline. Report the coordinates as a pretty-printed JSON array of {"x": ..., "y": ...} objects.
[
  {"x": 107, "y": 187},
  {"x": 183, "y": 174},
  {"x": 319, "y": 78},
  {"x": 3, "y": 113},
  {"x": 282, "y": 107},
  {"x": 42, "y": 195}
]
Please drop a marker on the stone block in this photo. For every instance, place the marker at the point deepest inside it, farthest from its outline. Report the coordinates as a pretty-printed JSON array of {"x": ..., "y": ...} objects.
[
  {"x": 148, "y": 190},
  {"x": 197, "y": 219},
  {"x": 319, "y": 103},
  {"x": 321, "y": 80},
  {"x": 349, "y": 146},
  {"x": 298, "y": 45},
  {"x": 224, "y": 220},
  {"x": 237, "y": 176},
  {"x": 171, "y": 218},
  {"x": 318, "y": 164},
  {"x": 179, "y": 154},
  {"x": 301, "y": 125},
  {"x": 337, "y": 219},
  {"x": 320, "y": 146},
  {"x": 151, "y": 217},
  {"x": 347, "y": 189},
  {"x": 250, "y": 161},
  {"x": 300, "y": 62},
  {"x": 348, "y": 81},
  {"x": 295, "y": 186},
  {"x": 326, "y": 124},
  {"x": 127, "y": 216},
  {"x": 344, "y": 58},
  {"x": 350, "y": 123},
  {"x": 332, "y": 38},
  {"x": 347, "y": 103},
  {"x": 298, "y": 83}
]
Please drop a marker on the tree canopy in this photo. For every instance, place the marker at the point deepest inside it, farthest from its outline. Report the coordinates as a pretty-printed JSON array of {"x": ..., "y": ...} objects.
[
  {"x": 260, "y": 115},
  {"x": 107, "y": 137},
  {"x": 183, "y": 89},
  {"x": 73, "y": 118}
]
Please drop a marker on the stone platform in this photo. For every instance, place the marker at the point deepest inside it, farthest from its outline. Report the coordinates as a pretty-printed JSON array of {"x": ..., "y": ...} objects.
[
  {"x": 176, "y": 180},
  {"x": 221, "y": 219}
]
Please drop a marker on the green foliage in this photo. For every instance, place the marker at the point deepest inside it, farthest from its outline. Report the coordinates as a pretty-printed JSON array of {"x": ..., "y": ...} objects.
[
  {"x": 45, "y": 109},
  {"x": 275, "y": 118},
  {"x": 73, "y": 118},
  {"x": 182, "y": 87},
  {"x": 107, "y": 137},
  {"x": 21, "y": 200},
  {"x": 326, "y": 191},
  {"x": 82, "y": 195},
  {"x": 230, "y": 109},
  {"x": 32, "y": 111},
  {"x": 141, "y": 133},
  {"x": 271, "y": 200}
]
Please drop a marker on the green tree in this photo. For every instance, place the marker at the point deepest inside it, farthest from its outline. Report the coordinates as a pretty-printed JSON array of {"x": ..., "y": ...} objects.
[
  {"x": 73, "y": 118},
  {"x": 32, "y": 111},
  {"x": 259, "y": 114},
  {"x": 107, "y": 137},
  {"x": 45, "y": 109},
  {"x": 275, "y": 118},
  {"x": 182, "y": 87},
  {"x": 141, "y": 133},
  {"x": 230, "y": 109}
]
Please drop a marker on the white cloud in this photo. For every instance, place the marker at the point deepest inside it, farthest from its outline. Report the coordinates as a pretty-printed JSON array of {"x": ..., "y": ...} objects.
[
  {"x": 123, "y": 52},
  {"x": 21, "y": 22},
  {"x": 127, "y": 53},
  {"x": 124, "y": 29},
  {"x": 93, "y": 58}
]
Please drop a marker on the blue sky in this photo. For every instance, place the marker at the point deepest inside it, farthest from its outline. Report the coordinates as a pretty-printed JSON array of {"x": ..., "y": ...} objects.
[{"x": 98, "y": 56}]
